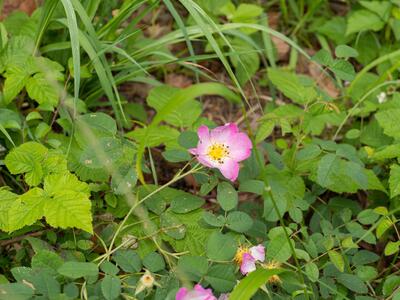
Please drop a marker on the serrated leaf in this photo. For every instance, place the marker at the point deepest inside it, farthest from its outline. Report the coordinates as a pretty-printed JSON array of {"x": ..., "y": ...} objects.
[
  {"x": 394, "y": 181},
  {"x": 43, "y": 90},
  {"x": 16, "y": 78},
  {"x": 193, "y": 267},
  {"x": 27, "y": 158},
  {"x": 343, "y": 69},
  {"x": 392, "y": 248},
  {"x": 221, "y": 246},
  {"x": 345, "y": 51},
  {"x": 221, "y": 277},
  {"x": 389, "y": 121}
]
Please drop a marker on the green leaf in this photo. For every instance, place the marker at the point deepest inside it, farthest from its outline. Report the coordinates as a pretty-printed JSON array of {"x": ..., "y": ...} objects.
[
  {"x": 382, "y": 227},
  {"x": 312, "y": 271},
  {"x": 90, "y": 127},
  {"x": 248, "y": 286},
  {"x": 192, "y": 267},
  {"x": 111, "y": 287},
  {"x": 221, "y": 246},
  {"x": 43, "y": 90},
  {"x": 213, "y": 220},
  {"x": 353, "y": 283},
  {"x": 47, "y": 260},
  {"x": 182, "y": 116},
  {"x": 109, "y": 268},
  {"x": 69, "y": 205},
  {"x": 169, "y": 220},
  {"x": 337, "y": 259},
  {"x": 264, "y": 130},
  {"x": 76, "y": 270},
  {"x": 278, "y": 249},
  {"x": 392, "y": 248},
  {"x": 27, "y": 209},
  {"x": 154, "y": 262},
  {"x": 6, "y": 201},
  {"x": 391, "y": 283},
  {"x": 381, "y": 8},
  {"x": 128, "y": 260},
  {"x": 16, "y": 78},
  {"x": 290, "y": 85},
  {"x": 239, "y": 221},
  {"x": 394, "y": 181},
  {"x": 323, "y": 57},
  {"x": 227, "y": 196},
  {"x": 364, "y": 257},
  {"x": 389, "y": 120},
  {"x": 340, "y": 176},
  {"x": 176, "y": 155},
  {"x": 367, "y": 216},
  {"x": 345, "y": 51},
  {"x": 343, "y": 69},
  {"x": 15, "y": 291},
  {"x": 221, "y": 277},
  {"x": 361, "y": 20},
  {"x": 27, "y": 158},
  {"x": 9, "y": 119},
  {"x": 185, "y": 203},
  {"x": 188, "y": 139}
]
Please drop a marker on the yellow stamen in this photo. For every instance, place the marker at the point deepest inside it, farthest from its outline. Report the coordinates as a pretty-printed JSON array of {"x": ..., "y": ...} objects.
[
  {"x": 218, "y": 152},
  {"x": 239, "y": 254},
  {"x": 272, "y": 265}
]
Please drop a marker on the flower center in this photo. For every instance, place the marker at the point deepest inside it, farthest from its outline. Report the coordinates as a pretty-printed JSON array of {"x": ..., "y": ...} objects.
[
  {"x": 218, "y": 152},
  {"x": 239, "y": 254}
]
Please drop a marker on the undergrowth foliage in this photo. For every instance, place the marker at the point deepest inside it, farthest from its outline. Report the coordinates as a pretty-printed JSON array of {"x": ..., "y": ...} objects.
[{"x": 200, "y": 149}]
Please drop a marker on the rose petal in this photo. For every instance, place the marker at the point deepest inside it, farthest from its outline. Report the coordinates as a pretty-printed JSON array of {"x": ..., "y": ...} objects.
[
  {"x": 230, "y": 169},
  {"x": 248, "y": 264},
  {"x": 204, "y": 133},
  {"x": 258, "y": 252},
  {"x": 240, "y": 147},
  {"x": 223, "y": 134},
  {"x": 181, "y": 294}
]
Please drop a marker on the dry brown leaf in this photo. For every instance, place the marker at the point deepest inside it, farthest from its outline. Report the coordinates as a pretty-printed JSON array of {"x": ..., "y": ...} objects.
[{"x": 323, "y": 81}]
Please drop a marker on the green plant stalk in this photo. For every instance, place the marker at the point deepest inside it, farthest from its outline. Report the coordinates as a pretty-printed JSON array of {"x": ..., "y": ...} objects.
[{"x": 177, "y": 177}]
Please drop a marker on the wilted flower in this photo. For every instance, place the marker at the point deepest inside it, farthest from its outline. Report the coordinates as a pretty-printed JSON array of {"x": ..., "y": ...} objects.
[
  {"x": 382, "y": 97},
  {"x": 272, "y": 265},
  {"x": 147, "y": 281},
  {"x": 247, "y": 257},
  {"x": 222, "y": 148},
  {"x": 198, "y": 293}
]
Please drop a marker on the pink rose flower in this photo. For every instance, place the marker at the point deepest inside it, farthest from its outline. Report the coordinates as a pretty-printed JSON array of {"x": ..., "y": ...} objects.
[
  {"x": 198, "y": 293},
  {"x": 222, "y": 148},
  {"x": 247, "y": 258}
]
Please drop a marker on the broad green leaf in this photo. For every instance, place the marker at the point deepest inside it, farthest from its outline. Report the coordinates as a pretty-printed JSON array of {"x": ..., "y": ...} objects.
[
  {"x": 392, "y": 248},
  {"x": 278, "y": 249},
  {"x": 394, "y": 181},
  {"x": 213, "y": 220},
  {"x": 185, "y": 203},
  {"x": 221, "y": 277},
  {"x": 381, "y": 8},
  {"x": 361, "y": 20},
  {"x": 340, "y": 176},
  {"x": 249, "y": 285},
  {"x": 382, "y": 227},
  {"x": 290, "y": 85},
  {"x": 239, "y": 221},
  {"x": 7, "y": 199},
  {"x": 192, "y": 267},
  {"x": 76, "y": 270},
  {"x": 389, "y": 121},
  {"x": 27, "y": 158},
  {"x": 111, "y": 287},
  {"x": 391, "y": 283},
  {"x": 227, "y": 196},
  {"x": 93, "y": 126},
  {"x": 9, "y": 119},
  {"x": 128, "y": 260},
  {"x": 183, "y": 116},
  {"x": 172, "y": 226},
  {"x": 343, "y": 69},
  {"x": 156, "y": 136},
  {"x": 264, "y": 130},
  {"x": 345, "y": 51},
  {"x": 16, "y": 78},
  {"x": 43, "y": 90},
  {"x": 154, "y": 262},
  {"x": 221, "y": 246},
  {"x": 15, "y": 291},
  {"x": 337, "y": 259},
  {"x": 353, "y": 283},
  {"x": 364, "y": 257},
  {"x": 312, "y": 271},
  {"x": 27, "y": 209}
]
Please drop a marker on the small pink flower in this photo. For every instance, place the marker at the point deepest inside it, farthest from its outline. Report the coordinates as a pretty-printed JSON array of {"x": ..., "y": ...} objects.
[
  {"x": 222, "y": 148},
  {"x": 198, "y": 293},
  {"x": 247, "y": 258}
]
